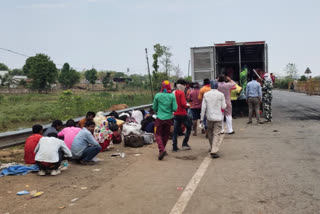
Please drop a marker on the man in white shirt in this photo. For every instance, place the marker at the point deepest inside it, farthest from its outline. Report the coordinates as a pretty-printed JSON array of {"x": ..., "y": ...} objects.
[
  {"x": 212, "y": 105},
  {"x": 49, "y": 154}
]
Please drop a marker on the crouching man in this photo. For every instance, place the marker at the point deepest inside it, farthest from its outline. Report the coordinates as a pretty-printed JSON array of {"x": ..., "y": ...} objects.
[
  {"x": 212, "y": 105},
  {"x": 84, "y": 147},
  {"x": 50, "y": 152}
]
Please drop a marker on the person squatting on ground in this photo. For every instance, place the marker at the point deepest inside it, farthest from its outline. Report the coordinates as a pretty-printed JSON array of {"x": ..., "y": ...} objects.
[
  {"x": 267, "y": 98},
  {"x": 206, "y": 87},
  {"x": 31, "y": 144},
  {"x": 254, "y": 98},
  {"x": 212, "y": 104},
  {"x": 225, "y": 88},
  {"x": 164, "y": 104},
  {"x": 50, "y": 152},
  {"x": 193, "y": 97},
  {"x": 69, "y": 133},
  {"x": 147, "y": 124},
  {"x": 84, "y": 146},
  {"x": 89, "y": 117},
  {"x": 56, "y": 126},
  {"x": 103, "y": 134},
  {"x": 181, "y": 117}
]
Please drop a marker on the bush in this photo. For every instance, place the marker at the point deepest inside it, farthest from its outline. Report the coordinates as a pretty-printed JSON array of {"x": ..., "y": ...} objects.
[{"x": 282, "y": 83}]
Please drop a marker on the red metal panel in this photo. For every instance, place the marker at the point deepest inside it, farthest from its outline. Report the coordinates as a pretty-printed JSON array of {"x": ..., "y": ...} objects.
[{"x": 239, "y": 43}]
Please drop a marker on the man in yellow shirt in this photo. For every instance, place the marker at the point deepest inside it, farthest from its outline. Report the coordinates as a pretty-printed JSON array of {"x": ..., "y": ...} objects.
[
  {"x": 206, "y": 87},
  {"x": 234, "y": 94}
]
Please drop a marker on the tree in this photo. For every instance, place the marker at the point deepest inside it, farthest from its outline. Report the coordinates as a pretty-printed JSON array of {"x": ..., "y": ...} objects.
[
  {"x": 119, "y": 74},
  {"x": 23, "y": 83},
  {"x": 166, "y": 60},
  {"x": 9, "y": 80},
  {"x": 291, "y": 70},
  {"x": 68, "y": 76},
  {"x": 156, "y": 76},
  {"x": 4, "y": 79},
  {"x": 42, "y": 72},
  {"x": 16, "y": 71},
  {"x": 3, "y": 67},
  {"x": 303, "y": 78},
  {"x": 91, "y": 76},
  {"x": 177, "y": 71},
  {"x": 107, "y": 80},
  {"x": 158, "y": 52}
]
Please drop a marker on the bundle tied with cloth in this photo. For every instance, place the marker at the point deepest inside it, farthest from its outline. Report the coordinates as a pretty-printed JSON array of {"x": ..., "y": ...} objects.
[{"x": 132, "y": 134}]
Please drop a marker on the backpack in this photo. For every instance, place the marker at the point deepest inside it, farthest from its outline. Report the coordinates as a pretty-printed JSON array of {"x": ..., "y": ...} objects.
[
  {"x": 133, "y": 140},
  {"x": 112, "y": 124}
]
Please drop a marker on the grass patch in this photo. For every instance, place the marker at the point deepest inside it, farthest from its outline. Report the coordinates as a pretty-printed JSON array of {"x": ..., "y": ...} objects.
[{"x": 22, "y": 111}]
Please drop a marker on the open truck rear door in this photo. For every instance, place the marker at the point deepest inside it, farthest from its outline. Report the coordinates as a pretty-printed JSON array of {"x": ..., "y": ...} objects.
[{"x": 202, "y": 63}]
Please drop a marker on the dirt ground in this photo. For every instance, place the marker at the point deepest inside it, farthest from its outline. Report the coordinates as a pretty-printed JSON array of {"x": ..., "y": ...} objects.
[
  {"x": 75, "y": 182},
  {"x": 13, "y": 154}
]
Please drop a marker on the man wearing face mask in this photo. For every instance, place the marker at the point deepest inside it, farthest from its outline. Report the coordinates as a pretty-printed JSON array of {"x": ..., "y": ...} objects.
[{"x": 180, "y": 116}]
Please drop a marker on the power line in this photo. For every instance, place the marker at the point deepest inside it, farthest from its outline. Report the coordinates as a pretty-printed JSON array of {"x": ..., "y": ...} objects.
[
  {"x": 24, "y": 55},
  {"x": 14, "y": 52}
]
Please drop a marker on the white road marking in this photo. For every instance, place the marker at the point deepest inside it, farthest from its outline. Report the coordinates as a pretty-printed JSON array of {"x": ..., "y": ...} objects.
[{"x": 183, "y": 201}]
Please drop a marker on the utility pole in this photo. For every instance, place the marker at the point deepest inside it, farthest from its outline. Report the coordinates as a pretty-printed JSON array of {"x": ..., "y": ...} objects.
[{"x": 151, "y": 85}]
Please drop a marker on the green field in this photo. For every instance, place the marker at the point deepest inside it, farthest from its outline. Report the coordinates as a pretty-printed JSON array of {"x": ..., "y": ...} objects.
[{"x": 22, "y": 111}]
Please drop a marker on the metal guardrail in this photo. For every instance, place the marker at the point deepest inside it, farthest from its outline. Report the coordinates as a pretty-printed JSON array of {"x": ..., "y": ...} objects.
[{"x": 13, "y": 138}]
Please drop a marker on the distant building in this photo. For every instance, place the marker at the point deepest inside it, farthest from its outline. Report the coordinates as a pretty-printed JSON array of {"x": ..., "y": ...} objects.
[
  {"x": 19, "y": 78},
  {"x": 2, "y": 73},
  {"x": 14, "y": 80}
]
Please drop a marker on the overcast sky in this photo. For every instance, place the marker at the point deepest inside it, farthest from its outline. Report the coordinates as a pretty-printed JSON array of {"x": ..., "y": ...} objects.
[{"x": 112, "y": 34}]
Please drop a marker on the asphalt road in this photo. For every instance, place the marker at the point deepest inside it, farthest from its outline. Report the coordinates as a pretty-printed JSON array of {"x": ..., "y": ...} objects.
[
  {"x": 269, "y": 168},
  {"x": 296, "y": 106}
]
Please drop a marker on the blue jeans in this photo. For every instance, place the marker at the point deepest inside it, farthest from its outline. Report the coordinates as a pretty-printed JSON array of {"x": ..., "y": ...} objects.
[
  {"x": 90, "y": 152},
  {"x": 177, "y": 126}
]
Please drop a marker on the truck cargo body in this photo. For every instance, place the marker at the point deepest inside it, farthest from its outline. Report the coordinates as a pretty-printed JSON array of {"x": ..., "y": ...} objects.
[{"x": 228, "y": 58}]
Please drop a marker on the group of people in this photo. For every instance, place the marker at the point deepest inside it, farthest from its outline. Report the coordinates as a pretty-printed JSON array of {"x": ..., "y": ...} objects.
[
  {"x": 81, "y": 141},
  {"x": 175, "y": 112},
  {"x": 182, "y": 107}
]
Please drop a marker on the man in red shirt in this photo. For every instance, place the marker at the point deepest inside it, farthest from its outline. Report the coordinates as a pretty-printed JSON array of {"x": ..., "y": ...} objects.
[
  {"x": 31, "y": 144},
  {"x": 180, "y": 116}
]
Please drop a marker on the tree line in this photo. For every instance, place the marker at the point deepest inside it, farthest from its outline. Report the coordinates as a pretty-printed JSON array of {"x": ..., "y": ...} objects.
[
  {"x": 42, "y": 72},
  {"x": 291, "y": 71}
]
